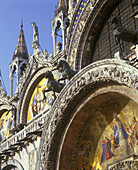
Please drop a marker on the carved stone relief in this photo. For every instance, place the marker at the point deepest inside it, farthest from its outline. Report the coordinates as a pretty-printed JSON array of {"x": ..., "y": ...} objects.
[
  {"x": 30, "y": 88},
  {"x": 91, "y": 17},
  {"x": 104, "y": 71},
  {"x": 129, "y": 165}
]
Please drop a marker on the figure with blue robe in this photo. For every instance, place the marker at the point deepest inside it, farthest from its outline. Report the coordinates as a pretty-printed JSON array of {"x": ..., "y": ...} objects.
[{"x": 107, "y": 153}]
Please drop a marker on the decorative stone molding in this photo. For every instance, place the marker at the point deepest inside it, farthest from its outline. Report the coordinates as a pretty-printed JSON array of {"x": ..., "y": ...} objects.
[
  {"x": 33, "y": 126},
  {"x": 101, "y": 72},
  {"x": 12, "y": 162},
  {"x": 130, "y": 163},
  {"x": 38, "y": 60},
  {"x": 4, "y": 98},
  {"x": 3, "y": 102},
  {"x": 91, "y": 17},
  {"x": 5, "y": 107},
  {"x": 73, "y": 43},
  {"x": 23, "y": 105}
]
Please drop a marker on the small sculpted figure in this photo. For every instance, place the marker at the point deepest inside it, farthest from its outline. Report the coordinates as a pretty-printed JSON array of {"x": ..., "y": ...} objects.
[
  {"x": 52, "y": 85},
  {"x": 36, "y": 34}
]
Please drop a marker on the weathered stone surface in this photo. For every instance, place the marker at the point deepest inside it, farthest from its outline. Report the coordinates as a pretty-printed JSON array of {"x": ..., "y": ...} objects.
[{"x": 105, "y": 71}]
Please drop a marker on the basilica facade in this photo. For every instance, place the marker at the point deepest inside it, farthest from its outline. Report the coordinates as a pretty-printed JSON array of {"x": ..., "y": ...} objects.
[{"x": 75, "y": 108}]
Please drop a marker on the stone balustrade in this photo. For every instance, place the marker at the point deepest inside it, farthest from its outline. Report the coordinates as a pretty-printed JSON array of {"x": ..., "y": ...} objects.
[{"x": 34, "y": 125}]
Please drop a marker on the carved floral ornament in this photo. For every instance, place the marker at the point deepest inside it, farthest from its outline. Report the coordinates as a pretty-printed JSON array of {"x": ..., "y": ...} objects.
[
  {"x": 104, "y": 71},
  {"x": 130, "y": 164}
]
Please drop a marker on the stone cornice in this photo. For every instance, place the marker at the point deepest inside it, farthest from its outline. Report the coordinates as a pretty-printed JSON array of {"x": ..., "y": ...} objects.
[{"x": 104, "y": 71}]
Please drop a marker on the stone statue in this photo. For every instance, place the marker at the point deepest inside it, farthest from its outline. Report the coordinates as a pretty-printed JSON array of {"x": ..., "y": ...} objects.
[
  {"x": 58, "y": 47},
  {"x": 66, "y": 71},
  {"x": 36, "y": 34}
]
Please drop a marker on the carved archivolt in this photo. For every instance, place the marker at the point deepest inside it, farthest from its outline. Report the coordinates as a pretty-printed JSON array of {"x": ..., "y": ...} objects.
[
  {"x": 5, "y": 107},
  {"x": 12, "y": 163},
  {"x": 91, "y": 17},
  {"x": 38, "y": 60},
  {"x": 4, "y": 98},
  {"x": 29, "y": 90},
  {"x": 105, "y": 71}
]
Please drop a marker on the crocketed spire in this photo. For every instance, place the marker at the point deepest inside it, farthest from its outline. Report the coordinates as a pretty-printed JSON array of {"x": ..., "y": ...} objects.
[
  {"x": 62, "y": 6},
  {"x": 21, "y": 48}
]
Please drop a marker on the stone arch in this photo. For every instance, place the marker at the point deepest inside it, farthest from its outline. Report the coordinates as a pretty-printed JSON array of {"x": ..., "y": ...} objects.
[
  {"x": 110, "y": 73},
  {"x": 88, "y": 111},
  {"x": 35, "y": 79},
  {"x": 87, "y": 30},
  {"x": 5, "y": 107},
  {"x": 11, "y": 164}
]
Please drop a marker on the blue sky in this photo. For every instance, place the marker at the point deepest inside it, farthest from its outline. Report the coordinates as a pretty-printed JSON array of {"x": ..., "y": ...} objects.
[{"x": 11, "y": 13}]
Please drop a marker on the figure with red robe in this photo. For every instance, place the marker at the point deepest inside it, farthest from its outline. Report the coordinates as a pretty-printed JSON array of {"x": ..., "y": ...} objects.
[{"x": 107, "y": 153}]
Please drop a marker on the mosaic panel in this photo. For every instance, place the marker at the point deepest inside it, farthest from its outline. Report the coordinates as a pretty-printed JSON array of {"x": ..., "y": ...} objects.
[
  {"x": 6, "y": 124},
  {"x": 110, "y": 136},
  {"x": 37, "y": 103},
  {"x": 80, "y": 9}
]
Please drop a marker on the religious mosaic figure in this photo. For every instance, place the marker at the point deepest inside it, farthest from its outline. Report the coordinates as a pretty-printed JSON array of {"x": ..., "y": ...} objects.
[
  {"x": 36, "y": 104},
  {"x": 134, "y": 127},
  {"x": 1, "y": 130},
  {"x": 6, "y": 124},
  {"x": 85, "y": 149},
  {"x": 132, "y": 132},
  {"x": 107, "y": 153},
  {"x": 112, "y": 135}
]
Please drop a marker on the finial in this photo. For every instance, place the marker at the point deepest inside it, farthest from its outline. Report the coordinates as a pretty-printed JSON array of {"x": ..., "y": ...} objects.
[{"x": 21, "y": 24}]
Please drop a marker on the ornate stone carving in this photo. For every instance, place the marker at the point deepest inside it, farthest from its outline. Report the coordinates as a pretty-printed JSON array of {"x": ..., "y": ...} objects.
[
  {"x": 78, "y": 31},
  {"x": 4, "y": 97},
  {"x": 104, "y": 71},
  {"x": 79, "y": 43},
  {"x": 37, "y": 60},
  {"x": 130, "y": 165}
]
